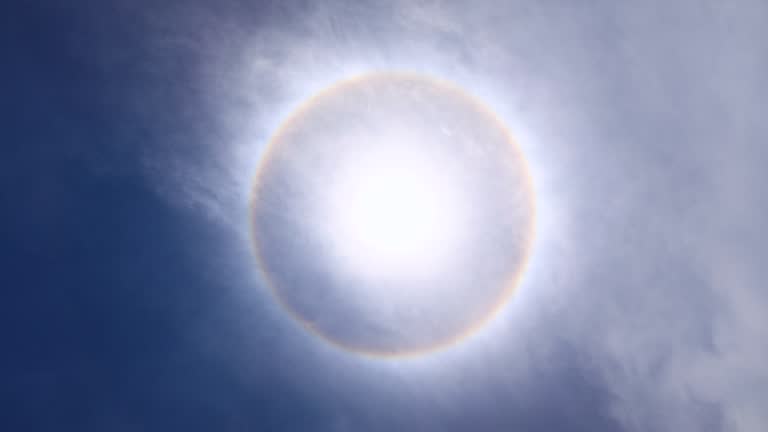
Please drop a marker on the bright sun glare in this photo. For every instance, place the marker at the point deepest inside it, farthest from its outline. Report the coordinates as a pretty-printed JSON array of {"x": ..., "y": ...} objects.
[{"x": 394, "y": 212}]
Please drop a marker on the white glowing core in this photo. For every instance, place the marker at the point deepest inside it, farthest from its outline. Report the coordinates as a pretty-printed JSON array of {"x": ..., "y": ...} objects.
[{"x": 394, "y": 214}]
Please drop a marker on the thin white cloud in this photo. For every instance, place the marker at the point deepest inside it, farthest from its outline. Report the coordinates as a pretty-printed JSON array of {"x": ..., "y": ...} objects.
[{"x": 645, "y": 119}]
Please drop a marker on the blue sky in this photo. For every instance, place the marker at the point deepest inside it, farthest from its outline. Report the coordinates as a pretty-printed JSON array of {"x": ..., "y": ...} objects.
[{"x": 131, "y": 134}]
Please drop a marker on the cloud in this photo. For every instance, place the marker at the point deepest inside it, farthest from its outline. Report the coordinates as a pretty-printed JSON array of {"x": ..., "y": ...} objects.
[
  {"x": 644, "y": 121},
  {"x": 683, "y": 335}
]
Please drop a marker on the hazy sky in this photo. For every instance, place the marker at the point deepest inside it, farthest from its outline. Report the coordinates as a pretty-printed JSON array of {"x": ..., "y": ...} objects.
[{"x": 131, "y": 135}]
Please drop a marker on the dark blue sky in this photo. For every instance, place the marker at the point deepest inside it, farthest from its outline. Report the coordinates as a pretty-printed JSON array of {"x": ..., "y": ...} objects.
[{"x": 123, "y": 270}]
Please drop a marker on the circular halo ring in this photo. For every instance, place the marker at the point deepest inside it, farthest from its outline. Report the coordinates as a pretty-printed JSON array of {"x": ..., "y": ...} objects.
[{"x": 513, "y": 279}]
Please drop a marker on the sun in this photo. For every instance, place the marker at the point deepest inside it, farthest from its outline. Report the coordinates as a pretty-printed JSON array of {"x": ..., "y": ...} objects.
[{"x": 394, "y": 211}]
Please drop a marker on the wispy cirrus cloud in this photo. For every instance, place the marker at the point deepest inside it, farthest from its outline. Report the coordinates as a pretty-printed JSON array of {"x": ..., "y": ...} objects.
[{"x": 644, "y": 121}]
